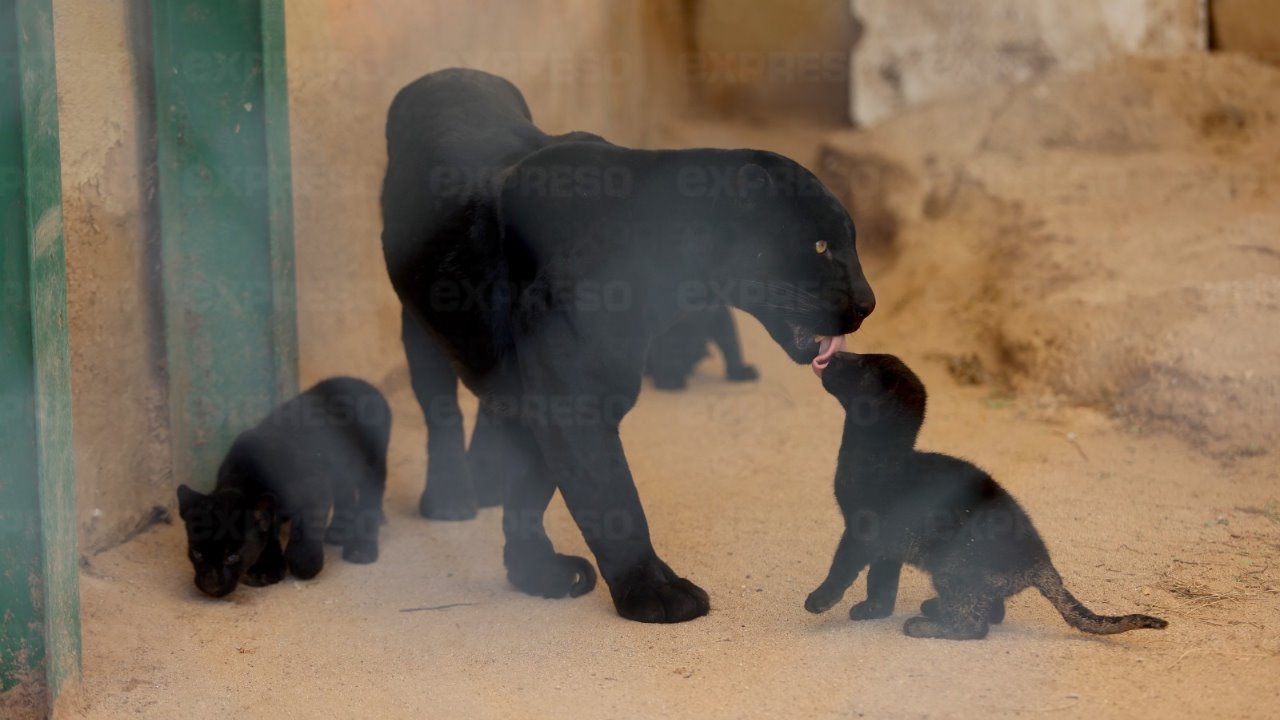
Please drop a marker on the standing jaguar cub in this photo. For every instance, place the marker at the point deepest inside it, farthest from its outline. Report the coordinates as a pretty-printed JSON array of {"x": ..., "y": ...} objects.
[
  {"x": 936, "y": 512},
  {"x": 323, "y": 450}
]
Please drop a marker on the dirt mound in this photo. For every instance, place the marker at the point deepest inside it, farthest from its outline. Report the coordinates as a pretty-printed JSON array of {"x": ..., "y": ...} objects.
[{"x": 1113, "y": 236}]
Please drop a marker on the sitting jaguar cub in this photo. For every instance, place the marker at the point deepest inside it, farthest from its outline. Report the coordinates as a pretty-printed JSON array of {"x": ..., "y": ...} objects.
[
  {"x": 325, "y": 449},
  {"x": 933, "y": 511}
]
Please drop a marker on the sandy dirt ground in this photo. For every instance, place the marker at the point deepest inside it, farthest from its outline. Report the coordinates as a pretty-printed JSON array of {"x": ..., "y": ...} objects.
[
  {"x": 737, "y": 484},
  {"x": 737, "y": 481}
]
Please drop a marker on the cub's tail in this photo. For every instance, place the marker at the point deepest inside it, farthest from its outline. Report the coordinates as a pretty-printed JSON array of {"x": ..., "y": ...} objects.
[{"x": 1049, "y": 583}]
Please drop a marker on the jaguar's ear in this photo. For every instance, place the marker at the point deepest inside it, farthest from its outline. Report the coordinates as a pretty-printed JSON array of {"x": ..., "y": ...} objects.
[
  {"x": 754, "y": 183},
  {"x": 264, "y": 512},
  {"x": 187, "y": 500}
]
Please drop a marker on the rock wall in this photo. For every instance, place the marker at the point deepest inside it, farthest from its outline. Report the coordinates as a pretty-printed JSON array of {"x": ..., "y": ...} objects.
[{"x": 1110, "y": 237}]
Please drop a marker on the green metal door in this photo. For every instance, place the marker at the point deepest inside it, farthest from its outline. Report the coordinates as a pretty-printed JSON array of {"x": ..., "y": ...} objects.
[
  {"x": 226, "y": 221},
  {"x": 39, "y": 590}
]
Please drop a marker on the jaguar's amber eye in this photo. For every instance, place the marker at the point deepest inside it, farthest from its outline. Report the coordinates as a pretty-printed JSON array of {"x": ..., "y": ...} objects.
[{"x": 820, "y": 246}]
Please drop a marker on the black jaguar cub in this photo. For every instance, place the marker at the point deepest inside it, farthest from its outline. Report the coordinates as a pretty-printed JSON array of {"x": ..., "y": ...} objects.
[
  {"x": 325, "y": 449},
  {"x": 933, "y": 511},
  {"x": 673, "y": 354}
]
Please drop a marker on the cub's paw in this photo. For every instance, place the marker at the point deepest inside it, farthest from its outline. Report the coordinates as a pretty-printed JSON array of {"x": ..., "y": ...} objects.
[
  {"x": 305, "y": 559},
  {"x": 995, "y": 615},
  {"x": 262, "y": 577},
  {"x": 552, "y": 576},
  {"x": 870, "y": 610},
  {"x": 651, "y": 592},
  {"x": 923, "y": 627},
  {"x": 744, "y": 373},
  {"x": 931, "y": 608},
  {"x": 822, "y": 599},
  {"x": 360, "y": 553}
]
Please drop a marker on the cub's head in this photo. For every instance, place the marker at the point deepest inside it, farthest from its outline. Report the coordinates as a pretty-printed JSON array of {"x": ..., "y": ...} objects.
[
  {"x": 880, "y": 394},
  {"x": 225, "y": 535},
  {"x": 792, "y": 262}
]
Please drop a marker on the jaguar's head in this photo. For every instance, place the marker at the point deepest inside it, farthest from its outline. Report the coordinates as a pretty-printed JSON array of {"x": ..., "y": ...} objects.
[{"x": 791, "y": 260}]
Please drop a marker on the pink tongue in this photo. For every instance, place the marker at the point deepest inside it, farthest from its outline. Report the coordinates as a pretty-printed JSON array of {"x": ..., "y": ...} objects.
[{"x": 827, "y": 349}]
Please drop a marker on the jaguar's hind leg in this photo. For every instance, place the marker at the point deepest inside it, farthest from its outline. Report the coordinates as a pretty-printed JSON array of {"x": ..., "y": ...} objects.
[
  {"x": 995, "y": 615},
  {"x": 960, "y": 612},
  {"x": 304, "y": 554},
  {"x": 344, "y": 511},
  {"x": 495, "y": 457},
  {"x": 533, "y": 565},
  {"x": 361, "y": 544},
  {"x": 448, "y": 494},
  {"x": 930, "y": 608}
]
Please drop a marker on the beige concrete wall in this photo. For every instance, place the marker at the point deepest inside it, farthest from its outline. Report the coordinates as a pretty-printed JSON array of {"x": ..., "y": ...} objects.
[
  {"x": 581, "y": 64},
  {"x": 924, "y": 50},
  {"x": 119, "y": 413},
  {"x": 765, "y": 58}
]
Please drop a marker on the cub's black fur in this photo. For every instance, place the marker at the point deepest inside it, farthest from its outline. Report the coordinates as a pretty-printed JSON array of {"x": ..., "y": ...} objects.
[
  {"x": 673, "y": 354},
  {"x": 537, "y": 268},
  {"x": 933, "y": 511},
  {"x": 326, "y": 448}
]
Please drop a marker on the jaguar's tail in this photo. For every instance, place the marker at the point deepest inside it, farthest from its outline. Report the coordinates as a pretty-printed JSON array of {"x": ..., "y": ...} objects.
[{"x": 1049, "y": 583}]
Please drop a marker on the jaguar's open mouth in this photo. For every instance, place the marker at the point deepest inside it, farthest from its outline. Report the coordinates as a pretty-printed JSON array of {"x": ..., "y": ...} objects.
[
  {"x": 819, "y": 349},
  {"x": 809, "y": 342}
]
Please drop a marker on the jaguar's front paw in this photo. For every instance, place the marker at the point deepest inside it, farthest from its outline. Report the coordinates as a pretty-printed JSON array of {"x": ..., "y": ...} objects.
[
  {"x": 870, "y": 610},
  {"x": 651, "y": 592},
  {"x": 822, "y": 599},
  {"x": 552, "y": 575},
  {"x": 742, "y": 373}
]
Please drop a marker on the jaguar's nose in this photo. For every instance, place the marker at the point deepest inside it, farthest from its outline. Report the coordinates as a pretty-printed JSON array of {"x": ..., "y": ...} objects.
[{"x": 864, "y": 302}]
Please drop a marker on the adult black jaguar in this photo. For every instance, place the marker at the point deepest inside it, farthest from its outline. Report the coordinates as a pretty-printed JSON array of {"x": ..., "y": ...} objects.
[{"x": 537, "y": 268}]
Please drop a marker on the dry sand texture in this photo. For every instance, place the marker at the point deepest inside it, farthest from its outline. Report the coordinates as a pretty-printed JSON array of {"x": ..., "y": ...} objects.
[{"x": 1086, "y": 281}]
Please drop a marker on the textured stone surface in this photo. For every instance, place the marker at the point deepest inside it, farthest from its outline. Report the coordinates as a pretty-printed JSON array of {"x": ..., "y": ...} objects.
[
  {"x": 1112, "y": 235},
  {"x": 915, "y": 52}
]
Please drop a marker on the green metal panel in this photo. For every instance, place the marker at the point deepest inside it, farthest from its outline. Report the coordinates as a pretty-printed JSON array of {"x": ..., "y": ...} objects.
[
  {"x": 226, "y": 221},
  {"x": 39, "y": 590}
]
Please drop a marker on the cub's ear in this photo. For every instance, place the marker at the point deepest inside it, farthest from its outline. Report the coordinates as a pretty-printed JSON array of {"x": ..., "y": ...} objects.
[
  {"x": 264, "y": 512},
  {"x": 187, "y": 500},
  {"x": 754, "y": 183}
]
